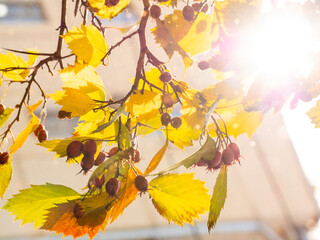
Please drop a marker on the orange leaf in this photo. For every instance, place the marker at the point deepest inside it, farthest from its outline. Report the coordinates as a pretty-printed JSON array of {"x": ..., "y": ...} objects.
[{"x": 156, "y": 159}]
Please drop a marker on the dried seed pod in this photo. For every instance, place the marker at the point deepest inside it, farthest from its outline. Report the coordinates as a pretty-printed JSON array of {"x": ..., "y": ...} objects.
[
  {"x": 112, "y": 186},
  {"x": 167, "y": 100},
  {"x": 63, "y": 114},
  {"x": 78, "y": 211},
  {"x": 74, "y": 149},
  {"x": 38, "y": 129},
  {"x": 141, "y": 183},
  {"x": 4, "y": 158},
  {"x": 165, "y": 77},
  {"x": 227, "y": 156},
  {"x": 165, "y": 119},
  {"x": 155, "y": 11},
  {"x": 176, "y": 122},
  {"x": 42, "y": 135},
  {"x": 188, "y": 13},
  {"x": 89, "y": 147},
  {"x": 100, "y": 159}
]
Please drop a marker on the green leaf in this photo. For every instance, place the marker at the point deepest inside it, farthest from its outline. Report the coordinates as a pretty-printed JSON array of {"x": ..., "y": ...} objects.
[
  {"x": 30, "y": 205},
  {"x": 218, "y": 198},
  {"x": 206, "y": 152},
  {"x": 120, "y": 110},
  {"x": 5, "y": 177},
  {"x": 124, "y": 136},
  {"x": 5, "y": 115}
]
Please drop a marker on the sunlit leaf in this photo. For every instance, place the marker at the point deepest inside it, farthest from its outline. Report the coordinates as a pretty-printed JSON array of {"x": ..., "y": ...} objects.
[
  {"x": 32, "y": 125},
  {"x": 5, "y": 177},
  {"x": 218, "y": 198},
  {"x": 314, "y": 114},
  {"x": 179, "y": 198},
  {"x": 30, "y": 205},
  {"x": 157, "y": 158},
  {"x": 87, "y": 43},
  {"x": 108, "y": 11},
  {"x": 123, "y": 135},
  {"x": 5, "y": 115},
  {"x": 33, "y": 107},
  {"x": 172, "y": 3},
  {"x": 75, "y": 101}
]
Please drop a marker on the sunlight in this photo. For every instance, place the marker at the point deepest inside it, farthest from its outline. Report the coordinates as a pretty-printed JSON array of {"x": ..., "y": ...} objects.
[{"x": 283, "y": 46}]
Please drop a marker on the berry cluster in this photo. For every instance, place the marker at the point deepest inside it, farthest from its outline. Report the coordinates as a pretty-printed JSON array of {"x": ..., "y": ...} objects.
[
  {"x": 230, "y": 154},
  {"x": 41, "y": 133},
  {"x": 4, "y": 158}
]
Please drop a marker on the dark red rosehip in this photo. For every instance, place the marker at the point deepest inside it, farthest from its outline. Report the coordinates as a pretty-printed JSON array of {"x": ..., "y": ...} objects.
[
  {"x": 109, "y": 3},
  {"x": 2, "y": 108},
  {"x": 196, "y": 6},
  {"x": 141, "y": 183},
  {"x": 227, "y": 156},
  {"x": 42, "y": 135},
  {"x": 4, "y": 158},
  {"x": 136, "y": 156},
  {"x": 87, "y": 163},
  {"x": 176, "y": 122},
  {"x": 100, "y": 159},
  {"x": 112, "y": 151},
  {"x": 78, "y": 211},
  {"x": 215, "y": 161},
  {"x": 203, "y": 65},
  {"x": 235, "y": 150},
  {"x": 205, "y": 8},
  {"x": 165, "y": 77},
  {"x": 165, "y": 119},
  {"x": 89, "y": 147},
  {"x": 188, "y": 13},
  {"x": 112, "y": 186},
  {"x": 155, "y": 11},
  {"x": 98, "y": 182},
  {"x": 74, "y": 149},
  {"x": 219, "y": 165},
  {"x": 167, "y": 100},
  {"x": 38, "y": 129},
  {"x": 201, "y": 162}
]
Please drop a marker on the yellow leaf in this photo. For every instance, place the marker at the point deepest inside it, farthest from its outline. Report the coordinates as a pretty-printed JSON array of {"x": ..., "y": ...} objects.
[
  {"x": 75, "y": 101},
  {"x": 12, "y": 61},
  {"x": 5, "y": 115},
  {"x": 5, "y": 176},
  {"x": 156, "y": 159},
  {"x": 314, "y": 114},
  {"x": 33, "y": 107},
  {"x": 179, "y": 198},
  {"x": 87, "y": 43},
  {"x": 108, "y": 11},
  {"x": 33, "y": 124},
  {"x": 143, "y": 103}
]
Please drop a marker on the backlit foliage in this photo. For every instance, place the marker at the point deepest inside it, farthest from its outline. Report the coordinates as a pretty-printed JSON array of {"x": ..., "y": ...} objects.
[{"x": 204, "y": 36}]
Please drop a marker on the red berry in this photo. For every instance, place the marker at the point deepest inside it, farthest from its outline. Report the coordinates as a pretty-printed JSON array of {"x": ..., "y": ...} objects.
[
  {"x": 109, "y": 3},
  {"x": 112, "y": 186},
  {"x": 165, "y": 77},
  {"x": 98, "y": 182},
  {"x": 38, "y": 129},
  {"x": 188, "y": 13},
  {"x": 165, "y": 119},
  {"x": 74, "y": 149},
  {"x": 136, "y": 156},
  {"x": 176, "y": 122},
  {"x": 112, "y": 151},
  {"x": 78, "y": 211},
  {"x": 215, "y": 161},
  {"x": 2, "y": 108},
  {"x": 196, "y": 6},
  {"x": 4, "y": 158},
  {"x": 100, "y": 159},
  {"x": 235, "y": 150},
  {"x": 167, "y": 100},
  {"x": 141, "y": 183},
  {"x": 87, "y": 163},
  {"x": 42, "y": 135},
  {"x": 155, "y": 11},
  {"x": 205, "y": 8},
  {"x": 89, "y": 147},
  {"x": 203, "y": 65},
  {"x": 227, "y": 156},
  {"x": 201, "y": 162}
]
